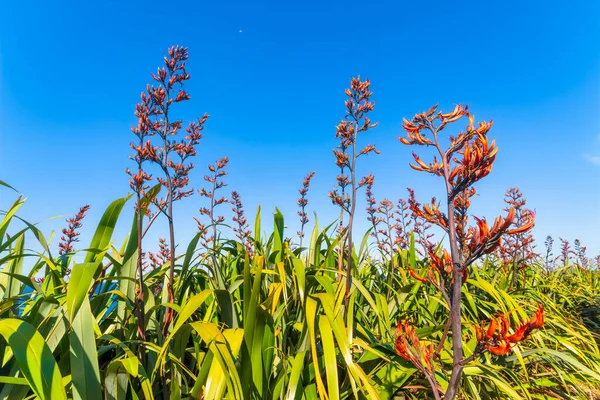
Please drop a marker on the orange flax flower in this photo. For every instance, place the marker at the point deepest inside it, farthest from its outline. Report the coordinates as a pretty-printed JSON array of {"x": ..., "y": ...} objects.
[
  {"x": 405, "y": 333},
  {"x": 496, "y": 339},
  {"x": 523, "y": 331},
  {"x": 478, "y": 333},
  {"x": 500, "y": 348},
  {"x": 491, "y": 328},
  {"x": 537, "y": 321},
  {"x": 417, "y": 277},
  {"x": 519, "y": 334}
]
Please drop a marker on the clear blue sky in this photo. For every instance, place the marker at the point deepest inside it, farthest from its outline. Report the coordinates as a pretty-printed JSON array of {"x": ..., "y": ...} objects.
[{"x": 272, "y": 76}]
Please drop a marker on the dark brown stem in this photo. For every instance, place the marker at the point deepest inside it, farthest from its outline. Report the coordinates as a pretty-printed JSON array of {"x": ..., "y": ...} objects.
[
  {"x": 212, "y": 208},
  {"x": 440, "y": 345},
  {"x": 341, "y": 248},
  {"x": 171, "y": 297},
  {"x": 350, "y": 222},
  {"x": 169, "y": 312},
  {"x": 470, "y": 358},
  {"x": 393, "y": 259},
  {"x": 430, "y": 376},
  {"x": 434, "y": 384},
  {"x": 150, "y": 222},
  {"x": 391, "y": 278},
  {"x": 140, "y": 297},
  {"x": 455, "y": 298}
]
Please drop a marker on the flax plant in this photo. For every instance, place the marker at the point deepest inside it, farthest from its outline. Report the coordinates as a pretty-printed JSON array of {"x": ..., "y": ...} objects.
[
  {"x": 216, "y": 183},
  {"x": 468, "y": 159},
  {"x": 274, "y": 326}
]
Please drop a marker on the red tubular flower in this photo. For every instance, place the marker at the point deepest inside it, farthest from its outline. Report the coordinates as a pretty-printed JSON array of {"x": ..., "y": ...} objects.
[
  {"x": 417, "y": 277},
  {"x": 242, "y": 230},
  {"x": 70, "y": 233},
  {"x": 491, "y": 329},
  {"x": 537, "y": 321},
  {"x": 409, "y": 347},
  {"x": 496, "y": 340},
  {"x": 499, "y": 349},
  {"x": 503, "y": 325},
  {"x": 428, "y": 352},
  {"x": 523, "y": 332},
  {"x": 518, "y": 335},
  {"x": 479, "y": 333},
  {"x": 302, "y": 203},
  {"x": 401, "y": 347}
]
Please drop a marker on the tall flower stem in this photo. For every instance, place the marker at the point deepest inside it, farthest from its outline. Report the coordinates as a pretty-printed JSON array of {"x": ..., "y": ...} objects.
[
  {"x": 169, "y": 154},
  {"x": 358, "y": 105}
]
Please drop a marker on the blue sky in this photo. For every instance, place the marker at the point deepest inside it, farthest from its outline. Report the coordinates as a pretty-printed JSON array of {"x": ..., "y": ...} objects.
[{"x": 272, "y": 76}]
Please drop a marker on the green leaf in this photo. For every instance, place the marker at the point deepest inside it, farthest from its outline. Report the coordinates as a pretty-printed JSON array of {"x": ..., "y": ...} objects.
[
  {"x": 115, "y": 383},
  {"x": 257, "y": 231},
  {"x": 183, "y": 317},
  {"x": 34, "y": 358},
  {"x": 84, "y": 360},
  {"x": 105, "y": 229},
  {"x": 10, "y": 285},
  {"x": 297, "y": 365},
  {"x": 226, "y": 347},
  {"x": 8, "y": 216},
  {"x": 567, "y": 358},
  {"x": 132, "y": 244},
  {"x": 278, "y": 234},
  {"x": 2, "y": 183},
  {"x": 329, "y": 355},
  {"x": 412, "y": 254},
  {"x": 9, "y": 380},
  {"x": 79, "y": 284}
]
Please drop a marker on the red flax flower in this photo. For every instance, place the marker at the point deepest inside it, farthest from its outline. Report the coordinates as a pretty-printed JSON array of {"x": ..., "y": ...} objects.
[
  {"x": 215, "y": 180},
  {"x": 242, "y": 230},
  {"x": 387, "y": 212},
  {"x": 517, "y": 250},
  {"x": 402, "y": 226},
  {"x": 382, "y": 236},
  {"x": 358, "y": 105},
  {"x": 565, "y": 251},
  {"x": 302, "y": 203},
  {"x": 160, "y": 142},
  {"x": 162, "y": 257},
  {"x": 409, "y": 347},
  {"x": 155, "y": 121},
  {"x": 496, "y": 339},
  {"x": 468, "y": 158},
  {"x": 71, "y": 234}
]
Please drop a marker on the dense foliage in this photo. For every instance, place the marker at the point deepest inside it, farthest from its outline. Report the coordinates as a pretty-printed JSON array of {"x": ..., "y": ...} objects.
[{"x": 244, "y": 313}]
